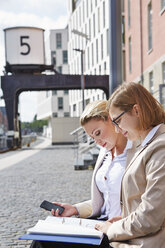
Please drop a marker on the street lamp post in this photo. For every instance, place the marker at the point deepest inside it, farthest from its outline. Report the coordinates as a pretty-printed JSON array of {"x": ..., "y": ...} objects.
[
  {"x": 74, "y": 31},
  {"x": 82, "y": 76}
]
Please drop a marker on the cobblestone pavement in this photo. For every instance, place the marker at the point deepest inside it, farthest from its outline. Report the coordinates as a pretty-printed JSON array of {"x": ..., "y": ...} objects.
[{"x": 48, "y": 174}]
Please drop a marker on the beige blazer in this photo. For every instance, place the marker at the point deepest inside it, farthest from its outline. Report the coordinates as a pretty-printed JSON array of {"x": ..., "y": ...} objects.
[
  {"x": 143, "y": 198},
  {"x": 91, "y": 208}
]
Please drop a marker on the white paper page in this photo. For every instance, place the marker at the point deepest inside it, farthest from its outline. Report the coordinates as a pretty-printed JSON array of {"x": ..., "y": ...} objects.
[
  {"x": 89, "y": 223},
  {"x": 64, "y": 220},
  {"x": 46, "y": 227},
  {"x": 73, "y": 221}
]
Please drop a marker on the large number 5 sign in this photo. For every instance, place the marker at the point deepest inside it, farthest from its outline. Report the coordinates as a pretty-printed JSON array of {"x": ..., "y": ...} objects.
[{"x": 25, "y": 44}]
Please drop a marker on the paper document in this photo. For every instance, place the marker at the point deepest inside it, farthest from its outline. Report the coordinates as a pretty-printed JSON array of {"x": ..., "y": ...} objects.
[{"x": 66, "y": 226}]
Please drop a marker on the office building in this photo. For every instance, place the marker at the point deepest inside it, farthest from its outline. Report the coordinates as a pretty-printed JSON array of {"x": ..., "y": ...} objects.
[
  {"x": 55, "y": 104},
  {"x": 91, "y": 20},
  {"x": 144, "y": 45}
]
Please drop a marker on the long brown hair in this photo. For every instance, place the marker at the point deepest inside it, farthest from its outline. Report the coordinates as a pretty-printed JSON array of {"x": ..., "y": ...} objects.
[{"x": 128, "y": 94}]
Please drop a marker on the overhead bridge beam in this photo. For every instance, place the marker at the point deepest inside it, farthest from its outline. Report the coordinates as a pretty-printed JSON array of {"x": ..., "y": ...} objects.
[{"x": 13, "y": 85}]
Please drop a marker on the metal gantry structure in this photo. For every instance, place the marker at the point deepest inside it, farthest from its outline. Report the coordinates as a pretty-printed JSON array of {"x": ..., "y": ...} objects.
[{"x": 14, "y": 85}]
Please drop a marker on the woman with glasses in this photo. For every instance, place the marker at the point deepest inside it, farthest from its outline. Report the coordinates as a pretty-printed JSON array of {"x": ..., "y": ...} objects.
[
  {"x": 139, "y": 116},
  {"x": 110, "y": 165}
]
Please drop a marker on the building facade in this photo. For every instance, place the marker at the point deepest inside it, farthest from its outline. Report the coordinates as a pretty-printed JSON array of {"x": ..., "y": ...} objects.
[
  {"x": 55, "y": 104},
  {"x": 91, "y": 19},
  {"x": 144, "y": 44},
  {"x": 87, "y": 34}
]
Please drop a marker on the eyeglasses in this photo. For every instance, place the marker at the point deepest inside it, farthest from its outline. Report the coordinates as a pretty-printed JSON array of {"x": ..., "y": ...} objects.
[{"x": 114, "y": 120}]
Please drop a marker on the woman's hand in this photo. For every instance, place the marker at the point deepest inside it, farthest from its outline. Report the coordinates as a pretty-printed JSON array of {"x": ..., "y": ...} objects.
[
  {"x": 114, "y": 219},
  {"x": 103, "y": 227},
  {"x": 69, "y": 210}
]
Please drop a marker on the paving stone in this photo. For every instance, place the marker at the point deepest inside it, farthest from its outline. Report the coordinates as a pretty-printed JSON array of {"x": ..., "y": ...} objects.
[{"x": 48, "y": 174}]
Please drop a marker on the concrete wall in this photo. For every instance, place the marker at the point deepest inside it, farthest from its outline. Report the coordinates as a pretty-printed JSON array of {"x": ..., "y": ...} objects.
[{"x": 61, "y": 128}]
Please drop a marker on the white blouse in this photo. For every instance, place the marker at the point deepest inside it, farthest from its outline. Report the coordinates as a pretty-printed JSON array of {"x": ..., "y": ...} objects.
[{"x": 108, "y": 180}]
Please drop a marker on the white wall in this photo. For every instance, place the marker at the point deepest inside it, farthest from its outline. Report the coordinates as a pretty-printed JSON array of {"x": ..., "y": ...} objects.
[{"x": 61, "y": 128}]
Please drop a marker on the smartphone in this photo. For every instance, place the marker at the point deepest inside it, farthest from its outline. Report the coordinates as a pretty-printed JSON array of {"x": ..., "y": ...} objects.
[{"x": 49, "y": 206}]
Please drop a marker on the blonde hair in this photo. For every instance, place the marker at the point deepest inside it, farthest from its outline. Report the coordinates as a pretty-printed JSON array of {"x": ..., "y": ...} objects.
[
  {"x": 128, "y": 94},
  {"x": 95, "y": 110}
]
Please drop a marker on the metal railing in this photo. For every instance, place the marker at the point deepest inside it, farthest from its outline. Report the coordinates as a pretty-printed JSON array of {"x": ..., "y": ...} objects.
[
  {"x": 28, "y": 139},
  {"x": 82, "y": 144},
  {"x": 3, "y": 143},
  {"x": 6, "y": 142}
]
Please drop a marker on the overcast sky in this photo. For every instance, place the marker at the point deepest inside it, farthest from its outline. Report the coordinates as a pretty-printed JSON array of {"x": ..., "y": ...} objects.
[{"x": 46, "y": 14}]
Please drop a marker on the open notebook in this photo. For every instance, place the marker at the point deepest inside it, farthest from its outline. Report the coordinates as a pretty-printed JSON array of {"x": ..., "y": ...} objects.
[{"x": 66, "y": 226}]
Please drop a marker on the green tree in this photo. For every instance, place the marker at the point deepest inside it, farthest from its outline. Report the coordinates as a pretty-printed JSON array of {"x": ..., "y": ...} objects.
[{"x": 34, "y": 126}]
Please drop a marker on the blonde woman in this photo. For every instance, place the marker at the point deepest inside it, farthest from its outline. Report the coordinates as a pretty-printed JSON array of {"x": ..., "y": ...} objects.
[
  {"x": 109, "y": 168},
  {"x": 108, "y": 172}
]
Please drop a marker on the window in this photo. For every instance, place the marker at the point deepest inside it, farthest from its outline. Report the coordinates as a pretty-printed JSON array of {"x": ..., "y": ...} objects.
[
  {"x": 129, "y": 13},
  {"x": 59, "y": 68},
  {"x": 98, "y": 19},
  {"x": 48, "y": 94},
  {"x": 123, "y": 30},
  {"x": 66, "y": 114},
  {"x": 149, "y": 27},
  {"x": 53, "y": 57},
  {"x": 130, "y": 55},
  {"x": 87, "y": 101},
  {"x": 65, "y": 57},
  {"x": 58, "y": 40},
  {"x": 105, "y": 68},
  {"x": 66, "y": 92},
  {"x": 92, "y": 55},
  {"x": 76, "y": 19},
  {"x": 151, "y": 82},
  {"x": 99, "y": 71},
  {"x": 89, "y": 27},
  {"x": 102, "y": 48},
  {"x": 60, "y": 103},
  {"x": 78, "y": 63},
  {"x": 86, "y": 32},
  {"x": 162, "y": 95},
  {"x": 88, "y": 58},
  {"x": 162, "y": 4},
  {"x": 103, "y": 14},
  {"x": 107, "y": 41},
  {"x": 87, "y": 7},
  {"x": 94, "y": 25},
  {"x": 97, "y": 56},
  {"x": 74, "y": 107},
  {"x": 54, "y": 92},
  {"x": 83, "y": 11},
  {"x": 163, "y": 72},
  {"x": 73, "y": 5},
  {"x": 80, "y": 16},
  {"x": 54, "y": 114}
]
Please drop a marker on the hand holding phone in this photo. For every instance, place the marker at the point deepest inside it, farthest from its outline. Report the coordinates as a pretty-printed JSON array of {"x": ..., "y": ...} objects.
[{"x": 49, "y": 206}]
